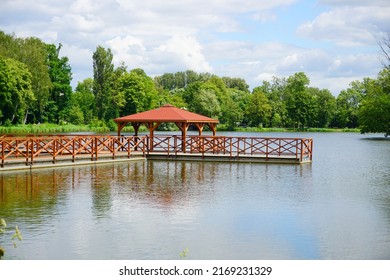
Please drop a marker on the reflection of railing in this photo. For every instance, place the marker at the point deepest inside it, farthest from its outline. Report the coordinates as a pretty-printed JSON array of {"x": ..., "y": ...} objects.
[
  {"x": 298, "y": 148},
  {"x": 33, "y": 149}
]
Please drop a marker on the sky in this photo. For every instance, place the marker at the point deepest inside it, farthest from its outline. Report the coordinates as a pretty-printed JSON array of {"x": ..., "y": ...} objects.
[{"x": 334, "y": 42}]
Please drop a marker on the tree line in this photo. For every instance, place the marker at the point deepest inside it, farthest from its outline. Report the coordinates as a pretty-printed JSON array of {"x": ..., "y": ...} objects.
[{"x": 35, "y": 87}]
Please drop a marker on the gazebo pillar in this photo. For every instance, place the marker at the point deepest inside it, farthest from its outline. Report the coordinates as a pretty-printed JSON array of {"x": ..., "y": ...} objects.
[
  {"x": 151, "y": 127},
  {"x": 120, "y": 125},
  {"x": 199, "y": 126},
  {"x": 213, "y": 127},
  {"x": 183, "y": 127}
]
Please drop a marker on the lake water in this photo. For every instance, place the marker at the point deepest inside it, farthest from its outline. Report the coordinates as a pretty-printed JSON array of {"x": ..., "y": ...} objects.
[{"x": 337, "y": 207}]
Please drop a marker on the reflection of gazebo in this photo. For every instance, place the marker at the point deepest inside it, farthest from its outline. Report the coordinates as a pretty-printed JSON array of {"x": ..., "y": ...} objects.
[{"x": 167, "y": 114}]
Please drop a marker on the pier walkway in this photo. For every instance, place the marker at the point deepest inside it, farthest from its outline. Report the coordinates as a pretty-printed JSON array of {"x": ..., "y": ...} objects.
[{"x": 39, "y": 151}]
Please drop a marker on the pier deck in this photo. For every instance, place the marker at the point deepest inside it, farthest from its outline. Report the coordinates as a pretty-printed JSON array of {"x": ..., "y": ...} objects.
[{"x": 46, "y": 151}]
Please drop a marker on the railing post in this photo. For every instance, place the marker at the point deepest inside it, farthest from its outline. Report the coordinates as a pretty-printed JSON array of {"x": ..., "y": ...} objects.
[
  {"x": 112, "y": 139},
  {"x": 128, "y": 147},
  {"x": 301, "y": 151},
  {"x": 32, "y": 152},
  {"x": 2, "y": 152},
  {"x": 311, "y": 149}
]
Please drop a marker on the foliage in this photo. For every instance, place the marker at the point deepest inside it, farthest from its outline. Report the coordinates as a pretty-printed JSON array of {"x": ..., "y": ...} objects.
[
  {"x": 16, "y": 235},
  {"x": 15, "y": 90},
  {"x": 60, "y": 76},
  {"x": 258, "y": 110},
  {"x": 138, "y": 91},
  {"x": 103, "y": 71},
  {"x": 374, "y": 110},
  {"x": 35, "y": 88},
  {"x": 184, "y": 253}
]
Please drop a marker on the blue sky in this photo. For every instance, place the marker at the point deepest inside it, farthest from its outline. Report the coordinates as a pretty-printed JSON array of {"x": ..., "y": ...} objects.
[{"x": 333, "y": 41}]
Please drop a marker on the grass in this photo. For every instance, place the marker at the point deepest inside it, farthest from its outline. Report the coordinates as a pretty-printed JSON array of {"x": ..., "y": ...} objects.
[{"x": 47, "y": 128}]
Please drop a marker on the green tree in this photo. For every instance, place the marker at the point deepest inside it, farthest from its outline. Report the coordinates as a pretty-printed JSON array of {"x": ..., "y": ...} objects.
[
  {"x": 298, "y": 100},
  {"x": 206, "y": 103},
  {"x": 83, "y": 99},
  {"x": 258, "y": 111},
  {"x": 347, "y": 105},
  {"x": 324, "y": 107},
  {"x": 15, "y": 90},
  {"x": 103, "y": 70},
  {"x": 139, "y": 92},
  {"x": 374, "y": 110},
  {"x": 236, "y": 83},
  {"x": 32, "y": 52},
  {"x": 61, "y": 76},
  {"x": 276, "y": 94},
  {"x": 231, "y": 113}
]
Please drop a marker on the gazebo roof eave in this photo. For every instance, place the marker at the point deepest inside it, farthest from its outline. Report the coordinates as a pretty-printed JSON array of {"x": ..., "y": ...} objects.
[{"x": 119, "y": 120}]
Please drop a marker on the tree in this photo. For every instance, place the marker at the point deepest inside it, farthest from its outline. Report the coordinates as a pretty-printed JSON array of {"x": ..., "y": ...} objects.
[
  {"x": 139, "y": 92},
  {"x": 32, "y": 52},
  {"x": 385, "y": 48},
  {"x": 103, "y": 70},
  {"x": 15, "y": 90},
  {"x": 374, "y": 111},
  {"x": 347, "y": 105},
  {"x": 298, "y": 100},
  {"x": 83, "y": 99},
  {"x": 206, "y": 103},
  {"x": 231, "y": 113},
  {"x": 324, "y": 107},
  {"x": 60, "y": 76},
  {"x": 276, "y": 93},
  {"x": 258, "y": 109}
]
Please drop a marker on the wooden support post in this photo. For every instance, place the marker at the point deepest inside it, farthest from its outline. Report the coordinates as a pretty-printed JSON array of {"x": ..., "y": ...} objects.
[
  {"x": 151, "y": 127},
  {"x": 183, "y": 126}
]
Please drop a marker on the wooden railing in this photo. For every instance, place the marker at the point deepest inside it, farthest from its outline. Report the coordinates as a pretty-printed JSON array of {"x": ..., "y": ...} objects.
[
  {"x": 52, "y": 148},
  {"x": 299, "y": 148},
  {"x": 35, "y": 149}
]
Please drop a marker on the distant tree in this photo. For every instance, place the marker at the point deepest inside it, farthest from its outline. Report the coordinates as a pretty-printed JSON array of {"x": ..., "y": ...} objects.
[
  {"x": 236, "y": 83},
  {"x": 116, "y": 98},
  {"x": 206, "y": 103},
  {"x": 84, "y": 100},
  {"x": 60, "y": 75},
  {"x": 15, "y": 91},
  {"x": 374, "y": 110},
  {"x": 347, "y": 105},
  {"x": 103, "y": 70},
  {"x": 231, "y": 113},
  {"x": 139, "y": 92},
  {"x": 276, "y": 93},
  {"x": 258, "y": 110},
  {"x": 298, "y": 100},
  {"x": 324, "y": 107}
]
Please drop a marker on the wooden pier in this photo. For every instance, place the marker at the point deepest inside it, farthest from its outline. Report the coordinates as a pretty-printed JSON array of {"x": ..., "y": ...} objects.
[{"x": 42, "y": 151}]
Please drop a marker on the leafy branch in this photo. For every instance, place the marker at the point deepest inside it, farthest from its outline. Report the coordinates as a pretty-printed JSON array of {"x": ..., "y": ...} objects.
[{"x": 16, "y": 235}]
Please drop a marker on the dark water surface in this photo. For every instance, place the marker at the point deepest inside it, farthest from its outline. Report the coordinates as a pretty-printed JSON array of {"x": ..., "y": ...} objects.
[{"x": 337, "y": 207}]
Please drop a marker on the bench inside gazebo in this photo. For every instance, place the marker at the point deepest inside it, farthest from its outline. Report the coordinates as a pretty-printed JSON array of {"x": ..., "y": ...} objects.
[{"x": 152, "y": 119}]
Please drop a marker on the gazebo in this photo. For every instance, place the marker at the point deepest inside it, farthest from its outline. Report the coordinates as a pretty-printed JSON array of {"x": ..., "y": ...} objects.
[{"x": 167, "y": 114}]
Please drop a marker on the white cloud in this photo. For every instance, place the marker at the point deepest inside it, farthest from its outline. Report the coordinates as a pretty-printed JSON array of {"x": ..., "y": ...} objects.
[
  {"x": 348, "y": 26},
  {"x": 186, "y": 52}
]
